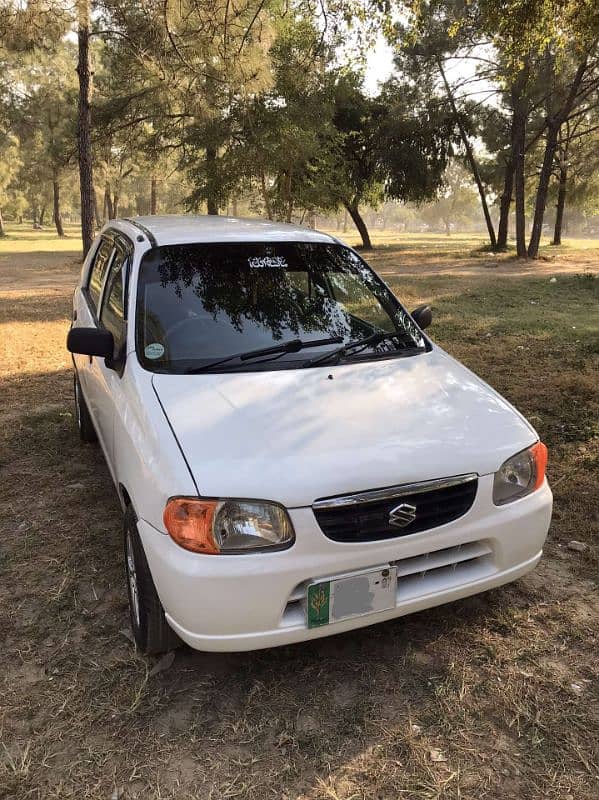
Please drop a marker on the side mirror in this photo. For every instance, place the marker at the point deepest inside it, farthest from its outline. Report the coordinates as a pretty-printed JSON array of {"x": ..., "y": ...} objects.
[
  {"x": 422, "y": 316},
  {"x": 91, "y": 342}
]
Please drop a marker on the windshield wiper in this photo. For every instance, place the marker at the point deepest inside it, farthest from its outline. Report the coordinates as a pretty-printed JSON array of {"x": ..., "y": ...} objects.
[
  {"x": 372, "y": 339},
  {"x": 292, "y": 346}
]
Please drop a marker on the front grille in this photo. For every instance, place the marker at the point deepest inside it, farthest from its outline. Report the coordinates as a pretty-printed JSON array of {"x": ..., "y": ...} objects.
[
  {"x": 364, "y": 518},
  {"x": 419, "y": 576}
]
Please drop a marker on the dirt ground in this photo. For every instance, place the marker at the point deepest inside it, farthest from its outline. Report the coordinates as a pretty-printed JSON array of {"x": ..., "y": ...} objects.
[{"x": 492, "y": 697}]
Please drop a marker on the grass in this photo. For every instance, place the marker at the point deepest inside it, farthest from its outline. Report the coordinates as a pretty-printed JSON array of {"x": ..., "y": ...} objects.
[
  {"x": 457, "y": 243},
  {"x": 494, "y": 697},
  {"x": 23, "y": 239}
]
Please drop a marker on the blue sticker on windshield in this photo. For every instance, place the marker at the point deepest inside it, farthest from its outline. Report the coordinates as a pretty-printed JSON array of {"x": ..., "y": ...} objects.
[{"x": 267, "y": 262}]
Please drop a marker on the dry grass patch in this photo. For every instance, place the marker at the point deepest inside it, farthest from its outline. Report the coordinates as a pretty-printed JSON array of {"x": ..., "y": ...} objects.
[{"x": 492, "y": 697}]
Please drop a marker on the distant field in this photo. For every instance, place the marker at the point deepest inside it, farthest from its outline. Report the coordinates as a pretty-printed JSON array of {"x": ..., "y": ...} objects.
[
  {"x": 22, "y": 239},
  {"x": 457, "y": 242}
]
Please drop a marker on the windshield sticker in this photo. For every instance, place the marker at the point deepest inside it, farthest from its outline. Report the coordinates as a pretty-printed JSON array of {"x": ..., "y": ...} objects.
[
  {"x": 268, "y": 262},
  {"x": 154, "y": 350}
]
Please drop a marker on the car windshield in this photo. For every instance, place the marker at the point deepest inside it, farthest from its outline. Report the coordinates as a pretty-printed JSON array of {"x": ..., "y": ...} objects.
[{"x": 199, "y": 303}]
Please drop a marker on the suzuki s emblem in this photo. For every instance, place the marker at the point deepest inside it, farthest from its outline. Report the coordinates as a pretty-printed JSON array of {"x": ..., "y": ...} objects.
[{"x": 402, "y": 515}]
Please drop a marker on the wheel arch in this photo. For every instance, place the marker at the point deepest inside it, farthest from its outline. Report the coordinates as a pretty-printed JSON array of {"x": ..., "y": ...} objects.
[{"x": 125, "y": 497}]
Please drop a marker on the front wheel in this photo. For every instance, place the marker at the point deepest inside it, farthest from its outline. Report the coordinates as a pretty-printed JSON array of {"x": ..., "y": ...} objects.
[{"x": 151, "y": 631}]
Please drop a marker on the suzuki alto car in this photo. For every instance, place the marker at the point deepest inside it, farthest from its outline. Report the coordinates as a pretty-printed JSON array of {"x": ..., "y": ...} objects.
[{"x": 294, "y": 456}]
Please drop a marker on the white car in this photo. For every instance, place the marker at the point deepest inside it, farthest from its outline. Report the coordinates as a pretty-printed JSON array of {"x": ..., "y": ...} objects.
[{"x": 294, "y": 456}]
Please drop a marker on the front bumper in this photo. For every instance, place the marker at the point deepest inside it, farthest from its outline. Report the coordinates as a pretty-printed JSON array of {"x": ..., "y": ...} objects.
[{"x": 252, "y": 601}]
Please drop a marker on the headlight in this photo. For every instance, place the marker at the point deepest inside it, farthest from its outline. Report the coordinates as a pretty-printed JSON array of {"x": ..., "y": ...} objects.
[
  {"x": 227, "y": 526},
  {"x": 520, "y": 475}
]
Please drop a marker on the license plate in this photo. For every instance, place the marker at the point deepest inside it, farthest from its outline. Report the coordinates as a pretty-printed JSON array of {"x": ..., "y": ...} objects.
[{"x": 352, "y": 596}]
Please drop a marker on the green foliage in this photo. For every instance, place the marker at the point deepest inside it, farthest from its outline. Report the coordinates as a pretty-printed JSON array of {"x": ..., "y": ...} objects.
[
  {"x": 39, "y": 99},
  {"x": 261, "y": 103},
  {"x": 25, "y": 26}
]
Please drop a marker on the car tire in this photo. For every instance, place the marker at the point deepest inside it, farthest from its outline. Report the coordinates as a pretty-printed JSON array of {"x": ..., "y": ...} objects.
[
  {"x": 151, "y": 631},
  {"x": 85, "y": 426}
]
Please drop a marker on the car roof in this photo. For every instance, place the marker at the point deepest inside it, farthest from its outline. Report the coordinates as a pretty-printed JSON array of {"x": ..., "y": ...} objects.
[{"x": 188, "y": 229}]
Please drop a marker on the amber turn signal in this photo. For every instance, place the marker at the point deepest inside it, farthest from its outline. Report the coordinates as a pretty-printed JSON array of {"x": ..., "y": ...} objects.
[
  {"x": 539, "y": 454},
  {"x": 189, "y": 523}
]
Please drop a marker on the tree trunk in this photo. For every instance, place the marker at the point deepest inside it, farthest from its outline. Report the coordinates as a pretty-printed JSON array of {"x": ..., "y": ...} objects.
[
  {"x": 505, "y": 204},
  {"x": 115, "y": 204},
  {"x": 86, "y": 183},
  {"x": 354, "y": 213},
  {"x": 211, "y": 201},
  {"x": 34, "y": 215},
  {"x": 234, "y": 206},
  {"x": 108, "y": 207},
  {"x": 2, "y": 231},
  {"x": 288, "y": 199},
  {"x": 518, "y": 147},
  {"x": 153, "y": 196},
  {"x": 561, "y": 202},
  {"x": 42, "y": 216},
  {"x": 554, "y": 124},
  {"x": 543, "y": 189},
  {"x": 97, "y": 211},
  {"x": 344, "y": 220},
  {"x": 470, "y": 157},
  {"x": 447, "y": 227},
  {"x": 265, "y": 197},
  {"x": 56, "y": 206}
]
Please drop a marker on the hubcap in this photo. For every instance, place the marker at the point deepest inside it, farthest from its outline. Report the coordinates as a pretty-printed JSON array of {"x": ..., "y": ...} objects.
[{"x": 132, "y": 579}]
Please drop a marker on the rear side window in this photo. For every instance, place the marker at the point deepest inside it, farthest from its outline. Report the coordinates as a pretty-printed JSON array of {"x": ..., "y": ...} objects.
[
  {"x": 113, "y": 314},
  {"x": 98, "y": 272}
]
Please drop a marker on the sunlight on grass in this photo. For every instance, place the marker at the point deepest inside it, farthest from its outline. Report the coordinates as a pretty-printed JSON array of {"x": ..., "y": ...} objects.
[
  {"x": 23, "y": 239},
  {"x": 459, "y": 243}
]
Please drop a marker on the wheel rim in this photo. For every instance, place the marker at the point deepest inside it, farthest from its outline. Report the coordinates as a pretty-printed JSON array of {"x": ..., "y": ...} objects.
[
  {"x": 77, "y": 405},
  {"x": 132, "y": 580}
]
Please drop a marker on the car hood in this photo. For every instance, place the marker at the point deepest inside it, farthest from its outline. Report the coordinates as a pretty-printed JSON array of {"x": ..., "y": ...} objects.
[{"x": 296, "y": 435}]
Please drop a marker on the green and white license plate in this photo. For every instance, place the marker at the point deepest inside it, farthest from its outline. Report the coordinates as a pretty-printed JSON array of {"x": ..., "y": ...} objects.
[{"x": 351, "y": 596}]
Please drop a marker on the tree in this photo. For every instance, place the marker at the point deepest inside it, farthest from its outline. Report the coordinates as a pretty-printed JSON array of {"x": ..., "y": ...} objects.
[
  {"x": 435, "y": 35},
  {"x": 187, "y": 64},
  {"x": 576, "y": 165},
  {"x": 27, "y": 26},
  {"x": 395, "y": 145},
  {"x": 570, "y": 88},
  {"x": 558, "y": 39},
  {"x": 40, "y": 113},
  {"x": 84, "y": 124},
  {"x": 44, "y": 117},
  {"x": 9, "y": 165}
]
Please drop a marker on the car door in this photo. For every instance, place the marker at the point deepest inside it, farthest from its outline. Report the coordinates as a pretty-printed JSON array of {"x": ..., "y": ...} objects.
[
  {"x": 87, "y": 308},
  {"x": 108, "y": 378}
]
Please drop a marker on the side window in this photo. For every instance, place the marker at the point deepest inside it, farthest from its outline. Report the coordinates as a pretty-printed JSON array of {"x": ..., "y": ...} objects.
[
  {"x": 355, "y": 297},
  {"x": 113, "y": 306},
  {"x": 98, "y": 272}
]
